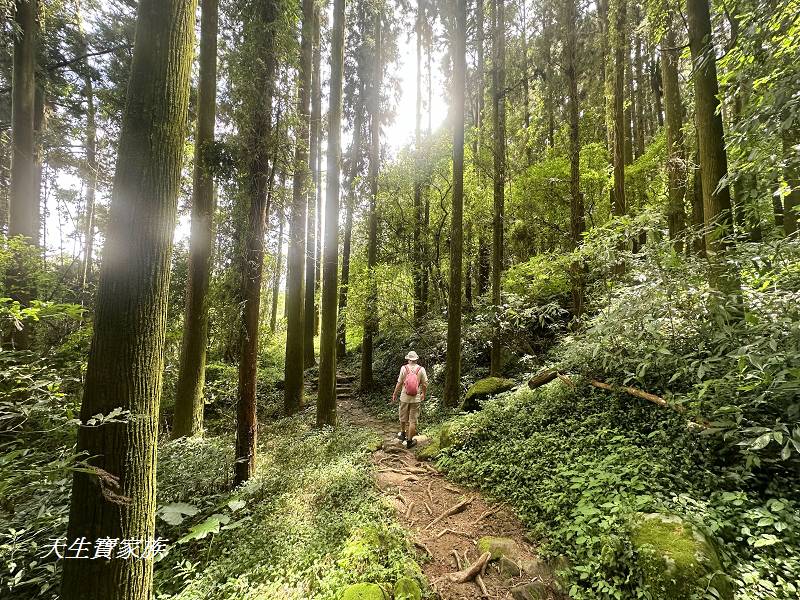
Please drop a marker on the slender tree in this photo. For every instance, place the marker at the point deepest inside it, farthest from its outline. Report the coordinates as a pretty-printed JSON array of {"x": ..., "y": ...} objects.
[
  {"x": 711, "y": 143},
  {"x": 262, "y": 85},
  {"x": 370, "y": 313},
  {"x": 295, "y": 260},
  {"x": 419, "y": 308},
  {"x": 452, "y": 384},
  {"x": 188, "y": 418},
  {"x": 577, "y": 219},
  {"x": 499, "y": 146},
  {"x": 326, "y": 402},
  {"x": 114, "y": 497},
  {"x": 90, "y": 147},
  {"x": 673, "y": 108},
  {"x": 312, "y": 257},
  {"x": 355, "y": 159},
  {"x": 276, "y": 277},
  {"x": 619, "y": 10}
]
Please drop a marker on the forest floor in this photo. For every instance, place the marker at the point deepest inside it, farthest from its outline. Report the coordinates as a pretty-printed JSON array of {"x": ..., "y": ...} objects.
[{"x": 421, "y": 496}]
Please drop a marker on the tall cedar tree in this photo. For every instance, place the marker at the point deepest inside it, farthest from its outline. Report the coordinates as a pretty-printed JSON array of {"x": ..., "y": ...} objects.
[
  {"x": 115, "y": 497},
  {"x": 371, "y": 309},
  {"x": 452, "y": 383},
  {"x": 276, "y": 275},
  {"x": 577, "y": 219},
  {"x": 188, "y": 418},
  {"x": 326, "y": 403},
  {"x": 355, "y": 161},
  {"x": 673, "y": 108},
  {"x": 90, "y": 174},
  {"x": 312, "y": 258},
  {"x": 295, "y": 260},
  {"x": 24, "y": 193},
  {"x": 619, "y": 9},
  {"x": 419, "y": 308},
  {"x": 258, "y": 188},
  {"x": 499, "y": 146},
  {"x": 711, "y": 144}
]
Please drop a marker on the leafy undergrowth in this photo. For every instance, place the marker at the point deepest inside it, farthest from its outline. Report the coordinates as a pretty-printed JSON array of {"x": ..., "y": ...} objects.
[
  {"x": 308, "y": 524},
  {"x": 578, "y": 465}
]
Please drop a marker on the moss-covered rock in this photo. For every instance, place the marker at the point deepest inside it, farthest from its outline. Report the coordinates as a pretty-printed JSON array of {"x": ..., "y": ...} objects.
[
  {"x": 406, "y": 588},
  {"x": 443, "y": 439},
  {"x": 498, "y": 547},
  {"x": 364, "y": 591},
  {"x": 484, "y": 388},
  {"x": 675, "y": 561}
]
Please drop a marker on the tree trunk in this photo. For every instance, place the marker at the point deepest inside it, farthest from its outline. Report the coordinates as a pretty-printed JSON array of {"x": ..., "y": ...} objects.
[
  {"x": 126, "y": 361},
  {"x": 355, "y": 156},
  {"x": 619, "y": 9},
  {"x": 295, "y": 263},
  {"x": 791, "y": 202},
  {"x": 418, "y": 166},
  {"x": 23, "y": 198},
  {"x": 577, "y": 219},
  {"x": 326, "y": 402},
  {"x": 499, "y": 123},
  {"x": 90, "y": 146},
  {"x": 452, "y": 384},
  {"x": 371, "y": 307},
  {"x": 698, "y": 220},
  {"x": 191, "y": 374},
  {"x": 713, "y": 157},
  {"x": 638, "y": 94},
  {"x": 253, "y": 257},
  {"x": 276, "y": 280},
  {"x": 312, "y": 257},
  {"x": 676, "y": 161},
  {"x": 526, "y": 108}
]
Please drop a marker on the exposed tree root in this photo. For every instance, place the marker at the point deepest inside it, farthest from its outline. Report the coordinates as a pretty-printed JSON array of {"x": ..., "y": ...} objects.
[
  {"x": 472, "y": 571},
  {"x": 453, "y": 510}
]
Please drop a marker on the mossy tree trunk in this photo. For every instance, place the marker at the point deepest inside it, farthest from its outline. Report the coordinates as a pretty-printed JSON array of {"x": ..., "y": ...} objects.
[
  {"x": 295, "y": 260},
  {"x": 452, "y": 384},
  {"x": 125, "y": 367},
  {"x": 499, "y": 150},
  {"x": 371, "y": 308},
  {"x": 188, "y": 418},
  {"x": 257, "y": 170},
  {"x": 326, "y": 402}
]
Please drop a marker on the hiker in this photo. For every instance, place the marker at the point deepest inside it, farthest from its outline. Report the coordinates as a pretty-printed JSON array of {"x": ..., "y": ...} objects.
[{"x": 413, "y": 380}]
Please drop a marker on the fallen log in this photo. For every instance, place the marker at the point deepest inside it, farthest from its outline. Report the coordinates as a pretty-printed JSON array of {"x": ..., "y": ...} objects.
[
  {"x": 638, "y": 393},
  {"x": 542, "y": 378},
  {"x": 472, "y": 571}
]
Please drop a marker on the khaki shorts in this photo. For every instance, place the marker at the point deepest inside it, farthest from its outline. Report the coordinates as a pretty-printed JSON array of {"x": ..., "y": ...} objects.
[{"x": 409, "y": 412}]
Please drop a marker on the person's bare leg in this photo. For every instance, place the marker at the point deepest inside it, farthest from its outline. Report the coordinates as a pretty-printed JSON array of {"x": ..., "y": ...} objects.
[{"x": 404, "y": 427}]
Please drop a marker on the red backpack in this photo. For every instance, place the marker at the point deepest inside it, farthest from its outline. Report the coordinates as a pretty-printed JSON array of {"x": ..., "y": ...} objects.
[{"x": 411, "y": 382}]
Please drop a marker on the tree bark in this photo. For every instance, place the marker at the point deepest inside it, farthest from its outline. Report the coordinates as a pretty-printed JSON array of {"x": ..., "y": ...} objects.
[
  {"x": 326, "y": 401},
  {"x": 188, "y": 419},
  {"x": 90, "y": 147},
  {"x": 257, "y": 169},
  {"x": 791, "y": 201},
  {"x": 713, "y": 157},
  {"x": 126, "y": 359},
  {"x": 619, "y": 9},
  {"x": 577, "y": 218},
  {"x": 639, "y": 92},
  {"x": 276, "y": 280},
  {"x": 23, "y": 198},
  {"x": 673, "y": 107},
  {"x": 312, "y": 258},
  {"x": 452, "y": 384},
  {"x": 418, "y": 166},
  {"x": 499, "y": 126},
  {"x": 295, "y": 263},
  {"x": 371, "y": 308}
]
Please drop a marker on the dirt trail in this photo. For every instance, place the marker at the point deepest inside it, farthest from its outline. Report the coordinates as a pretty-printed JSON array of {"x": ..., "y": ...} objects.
[{"x": 421, "y": 496}]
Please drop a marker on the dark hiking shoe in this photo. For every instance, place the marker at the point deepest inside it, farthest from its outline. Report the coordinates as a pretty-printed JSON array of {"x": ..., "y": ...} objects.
[
  {"x": 410, "y": 443},
  {"x": 401, "y": 436}
]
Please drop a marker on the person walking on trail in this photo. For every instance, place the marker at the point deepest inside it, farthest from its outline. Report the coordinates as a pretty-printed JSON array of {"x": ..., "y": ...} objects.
[{"x": 413, "y": 381}]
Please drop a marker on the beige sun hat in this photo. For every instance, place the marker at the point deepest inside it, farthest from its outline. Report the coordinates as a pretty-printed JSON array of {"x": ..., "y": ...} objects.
[{"x": 412, "y": 356}]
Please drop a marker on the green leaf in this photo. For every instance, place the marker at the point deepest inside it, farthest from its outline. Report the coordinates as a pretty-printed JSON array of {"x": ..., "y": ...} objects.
[{"x": 174, "y": 513}]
